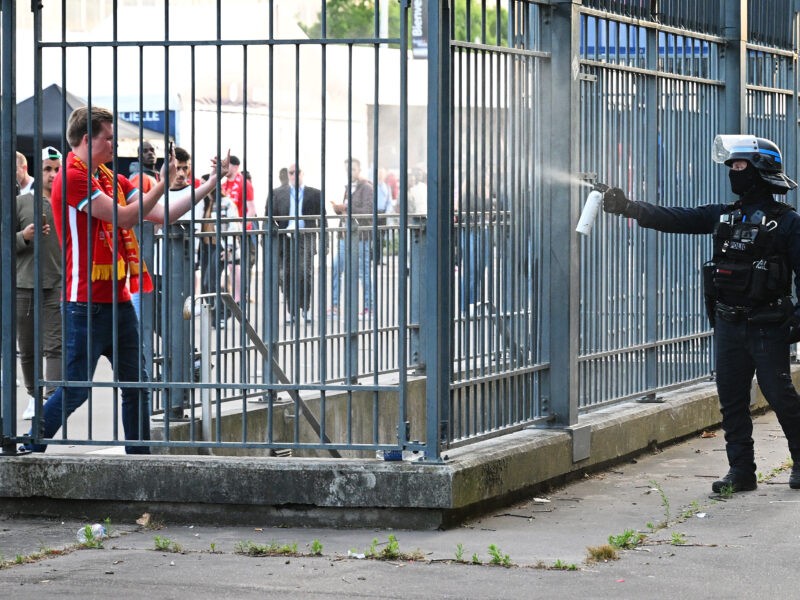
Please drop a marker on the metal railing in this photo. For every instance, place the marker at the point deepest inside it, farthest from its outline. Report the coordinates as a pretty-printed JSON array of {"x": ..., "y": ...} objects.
[{"x": 486, "y": 312}]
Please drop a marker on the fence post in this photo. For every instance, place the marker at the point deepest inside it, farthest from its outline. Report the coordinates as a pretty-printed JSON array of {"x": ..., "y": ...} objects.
[
  {"x": 178, "y": 355},
  {"x": 8, "y": 115},
  {"x": 734, "y": 68},
  {"x": 437, "y": 264},
  {"x": 561, "y": 101}
]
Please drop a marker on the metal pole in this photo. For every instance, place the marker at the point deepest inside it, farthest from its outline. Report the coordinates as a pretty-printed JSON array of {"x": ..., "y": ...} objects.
[
  {"x": 651, "y": 237},
  {"x": 562, "y": 103},
  {"x": 734, "y": 67},
  {"x": 436, "y": 339},
  {"x": 8, "y": 199}
]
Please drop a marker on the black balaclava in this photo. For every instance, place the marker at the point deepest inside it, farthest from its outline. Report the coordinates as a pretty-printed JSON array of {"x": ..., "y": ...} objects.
[{"x": 747, "y": 183}]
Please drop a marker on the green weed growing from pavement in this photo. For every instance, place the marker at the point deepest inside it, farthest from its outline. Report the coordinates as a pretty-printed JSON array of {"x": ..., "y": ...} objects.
[
  {"x": 316, "y": 547},
  {"x": 460, "y": 552},
  {"x": 626, "y": 540},
  {"x": 372, "y": 551},
  {"x": 726, "y": 491},
  {"x": 391, "y": 551},
  {"x": 107, "y": 525},
  {"x": 43, "y": 553},
  {"x": 497, "y": 557},
  {"x": 560, "y": 565},
  {"x": 690, "y": 510},
  {"x": 664, "y": 500},
  {"x": 475, "y": 559},
  {"x": 784, "y": 466},
  {"x": 678, "y": 539},
  {"x": 250, "y": 548},
  {"x": 91, "y": 541},
  {"x": 164, "y": 544}
]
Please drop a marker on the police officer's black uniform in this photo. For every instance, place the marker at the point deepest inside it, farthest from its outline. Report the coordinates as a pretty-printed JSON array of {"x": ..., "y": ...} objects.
[{"x": 748, "y": 294}]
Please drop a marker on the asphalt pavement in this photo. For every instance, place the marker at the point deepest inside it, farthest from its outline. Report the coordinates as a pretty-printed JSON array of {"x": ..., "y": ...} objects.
[{"x": 693, "y": 544}]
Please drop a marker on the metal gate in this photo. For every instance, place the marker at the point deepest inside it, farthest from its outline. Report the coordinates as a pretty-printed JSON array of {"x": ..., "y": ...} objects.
[{"x": 470, "y": 308}]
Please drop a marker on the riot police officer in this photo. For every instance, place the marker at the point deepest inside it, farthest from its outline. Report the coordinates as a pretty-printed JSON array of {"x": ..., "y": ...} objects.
[{"x": 747, "y": 285}]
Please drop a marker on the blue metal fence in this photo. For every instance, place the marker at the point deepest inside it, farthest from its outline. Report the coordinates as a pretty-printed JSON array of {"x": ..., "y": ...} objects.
[{"x": 488, "y": 312}]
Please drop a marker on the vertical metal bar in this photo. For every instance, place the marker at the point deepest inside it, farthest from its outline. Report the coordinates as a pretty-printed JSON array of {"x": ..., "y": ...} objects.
[
  {"x": 651, "y": 149},
  {"x": 402, "y": 258},
  {"x": 37, "y": 202},
  {"x": 8, "y": 199},
  {"x": 563, "y": 104},
  {"x": 322, "y": 288},
  {"x": 439, "y": 207},
  {"x": 790, "y": 159},
  {"x": 734, "y": 64},
  {"x": 271, "y": 243}
]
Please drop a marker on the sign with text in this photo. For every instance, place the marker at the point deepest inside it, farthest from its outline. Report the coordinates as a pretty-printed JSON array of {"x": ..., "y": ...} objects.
[
  {"x": 419, "y": 28},
  {"x": 151, "y": 119}
]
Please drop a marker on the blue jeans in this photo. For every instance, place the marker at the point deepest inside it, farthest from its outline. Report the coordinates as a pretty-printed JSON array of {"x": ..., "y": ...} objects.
[
  {"x": 474, "y": 258},
  {"x": 742, "y": 349},
  {"x": 364, "y": 272},
  {"x": 82, "y": 362}
]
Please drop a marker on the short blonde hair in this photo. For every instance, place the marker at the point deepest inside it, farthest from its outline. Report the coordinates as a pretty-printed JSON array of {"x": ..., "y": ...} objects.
[
  {"x": 21, "y": 160},
  {"x": 78, "y": 124}
]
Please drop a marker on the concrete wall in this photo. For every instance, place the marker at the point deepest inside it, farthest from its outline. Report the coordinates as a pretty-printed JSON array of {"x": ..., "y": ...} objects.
[
  {"x": 350, "y": 492},
  {"x": 359, "y": 405}
]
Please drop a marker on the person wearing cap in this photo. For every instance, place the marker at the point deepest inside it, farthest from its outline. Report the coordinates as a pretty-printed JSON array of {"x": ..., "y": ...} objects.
[
  {"x": 748, "y": 291},
  {"x": 49, "y": 267},
  {"x": 24, "y": 181}
]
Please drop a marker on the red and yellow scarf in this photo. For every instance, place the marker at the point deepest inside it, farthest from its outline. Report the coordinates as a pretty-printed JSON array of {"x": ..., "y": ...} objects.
[{"x": 128, "y": 257}]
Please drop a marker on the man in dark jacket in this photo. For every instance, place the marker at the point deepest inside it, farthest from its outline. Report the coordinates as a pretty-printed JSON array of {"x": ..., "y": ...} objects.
[
  {"x": 747, "y": 285},
  {"x": 298, "y": 244}
]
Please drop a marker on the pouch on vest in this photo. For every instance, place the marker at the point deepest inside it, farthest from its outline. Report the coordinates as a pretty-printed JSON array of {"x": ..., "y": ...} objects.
[
  {"x": 768, "y": 279},
  {"x": 774, "y": 312},
  {"x": 731, "y": 277}
]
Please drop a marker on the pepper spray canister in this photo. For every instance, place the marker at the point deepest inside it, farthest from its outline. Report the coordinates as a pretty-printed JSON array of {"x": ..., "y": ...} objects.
[{"x": 593, "y": 203}]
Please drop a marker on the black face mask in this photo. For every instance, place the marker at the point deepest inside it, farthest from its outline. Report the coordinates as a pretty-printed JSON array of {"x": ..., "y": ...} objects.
[{"x": 745, "y": 181}]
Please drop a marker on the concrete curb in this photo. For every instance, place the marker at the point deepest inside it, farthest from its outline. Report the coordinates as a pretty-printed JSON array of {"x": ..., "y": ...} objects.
[{"x": 319, "y": 492}]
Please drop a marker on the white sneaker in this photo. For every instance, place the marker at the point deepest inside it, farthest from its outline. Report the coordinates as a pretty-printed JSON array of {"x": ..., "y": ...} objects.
[{"x": 31, "y": 410}]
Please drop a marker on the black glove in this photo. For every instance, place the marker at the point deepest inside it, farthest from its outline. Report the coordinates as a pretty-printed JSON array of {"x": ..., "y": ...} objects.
[
  {"x": 615, "y": 202},
  {"x": 791, "y": 327}
]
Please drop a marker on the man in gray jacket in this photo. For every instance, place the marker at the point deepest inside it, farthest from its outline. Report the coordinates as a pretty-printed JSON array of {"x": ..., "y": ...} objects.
[
  {"x": 358, "y": 200},
  {"x": 49, "y": 281}
]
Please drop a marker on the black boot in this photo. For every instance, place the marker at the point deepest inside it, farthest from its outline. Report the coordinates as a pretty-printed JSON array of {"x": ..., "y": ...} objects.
[
  {"x": 794, "y": 477},
  {"x": 738, "y": 482}
]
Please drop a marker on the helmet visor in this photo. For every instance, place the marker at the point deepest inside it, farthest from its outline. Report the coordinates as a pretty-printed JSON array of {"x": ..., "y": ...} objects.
[{"x": 726, "y": 146}]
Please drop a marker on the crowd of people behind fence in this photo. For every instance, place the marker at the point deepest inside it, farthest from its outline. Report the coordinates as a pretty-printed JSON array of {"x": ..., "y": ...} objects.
[{"x": 171, "y": 196}]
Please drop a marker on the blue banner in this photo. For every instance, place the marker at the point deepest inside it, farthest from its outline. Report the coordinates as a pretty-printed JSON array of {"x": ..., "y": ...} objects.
[{"x": 151, "y": 119}]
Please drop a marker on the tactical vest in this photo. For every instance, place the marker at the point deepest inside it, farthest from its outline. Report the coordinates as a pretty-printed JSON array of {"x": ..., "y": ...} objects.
[{"x": 746, "y": 269}]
